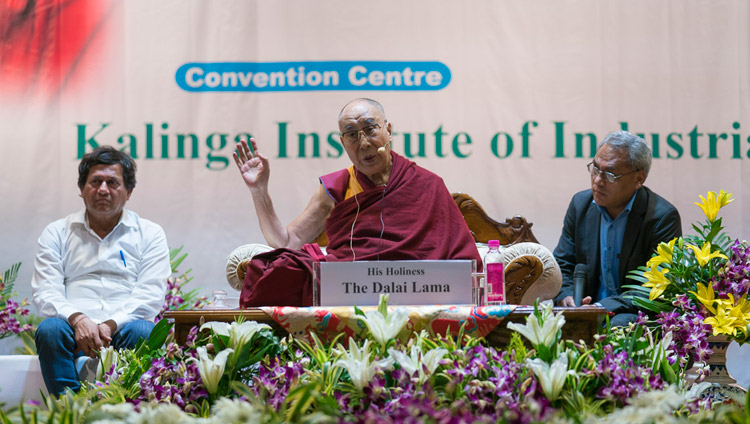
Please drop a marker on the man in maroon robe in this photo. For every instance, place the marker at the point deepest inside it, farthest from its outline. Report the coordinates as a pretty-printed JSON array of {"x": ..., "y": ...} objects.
[{"x": 384, "y": 207}]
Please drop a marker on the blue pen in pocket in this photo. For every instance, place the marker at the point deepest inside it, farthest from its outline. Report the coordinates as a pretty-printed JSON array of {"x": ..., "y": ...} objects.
[{"x": 122, "y": 256}]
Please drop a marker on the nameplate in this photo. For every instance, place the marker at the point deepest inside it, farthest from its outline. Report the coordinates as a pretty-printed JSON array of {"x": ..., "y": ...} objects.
[{"x": 430, "y": 282}]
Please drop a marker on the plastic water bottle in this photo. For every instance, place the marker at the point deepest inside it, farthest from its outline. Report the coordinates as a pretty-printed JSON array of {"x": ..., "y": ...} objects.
[{"x": 493, "y": 268}]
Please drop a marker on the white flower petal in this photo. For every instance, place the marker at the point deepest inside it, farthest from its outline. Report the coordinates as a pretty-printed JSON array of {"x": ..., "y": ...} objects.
[
  {"x": 221, "y": 328},
  {"x": 210, "y": 370}
]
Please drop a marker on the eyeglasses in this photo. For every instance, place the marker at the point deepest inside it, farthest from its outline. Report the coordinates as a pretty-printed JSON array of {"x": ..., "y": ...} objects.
[
  {"x": 352, "y": 136},
  {"x": 610, "y": 177}
]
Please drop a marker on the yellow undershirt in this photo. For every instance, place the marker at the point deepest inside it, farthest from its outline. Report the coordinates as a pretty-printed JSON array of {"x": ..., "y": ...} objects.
[{"x": 354, "y": 186}]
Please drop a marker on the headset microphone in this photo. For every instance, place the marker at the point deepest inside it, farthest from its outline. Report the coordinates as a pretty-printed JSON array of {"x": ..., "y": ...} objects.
[{"x": 381, "y": 149}]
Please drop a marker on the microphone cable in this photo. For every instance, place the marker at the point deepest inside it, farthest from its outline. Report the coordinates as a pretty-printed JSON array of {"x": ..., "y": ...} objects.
[
  {"x": 382, "y": 223},
  {"x": 351, "y": 234}
]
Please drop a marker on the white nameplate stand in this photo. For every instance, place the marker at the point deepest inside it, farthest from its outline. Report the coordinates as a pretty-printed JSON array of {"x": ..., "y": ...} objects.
[{"x": 429, "y": 282}]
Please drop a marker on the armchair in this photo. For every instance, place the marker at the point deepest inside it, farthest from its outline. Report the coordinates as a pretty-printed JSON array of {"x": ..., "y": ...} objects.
[{"x": 531, "y": 271}]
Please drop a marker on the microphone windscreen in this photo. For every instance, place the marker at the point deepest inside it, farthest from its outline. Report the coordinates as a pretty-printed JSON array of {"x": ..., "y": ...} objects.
[
  {"x": 381, "y": 149},
  {"x": 579, "y": 281}
]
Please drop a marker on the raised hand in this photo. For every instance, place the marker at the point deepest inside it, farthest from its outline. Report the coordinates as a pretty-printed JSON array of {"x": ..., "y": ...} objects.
[{"x": 253, "y": 166}]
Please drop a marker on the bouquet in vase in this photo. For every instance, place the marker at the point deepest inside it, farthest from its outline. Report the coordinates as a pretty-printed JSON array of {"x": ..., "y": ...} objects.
[{"x": 698, "y": 284}]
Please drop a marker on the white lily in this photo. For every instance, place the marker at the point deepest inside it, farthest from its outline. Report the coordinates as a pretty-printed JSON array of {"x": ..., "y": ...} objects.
[
  {"x": 239, "y": 334},
  {"x": 551, "y": 378},
  {"x": 540, "y": 332},
  {"x": 107, "y": 358},
  {"x": 431, "y": 359},
  {"x": 385, "y": 326},
  {"x": 211, "y": 370},
  {"x": 661, "y": 350},
  {"x": 409, "y": 363},
  {"x": 357, "y": 363},
  {"x": 423, "y": 364}
]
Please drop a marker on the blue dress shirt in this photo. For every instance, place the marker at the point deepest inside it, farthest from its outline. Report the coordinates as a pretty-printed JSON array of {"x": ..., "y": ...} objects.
[{"x": 611, "y": 233}]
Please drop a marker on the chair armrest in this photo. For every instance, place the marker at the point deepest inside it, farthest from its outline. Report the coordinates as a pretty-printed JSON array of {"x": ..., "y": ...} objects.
[{"x": 531, "y": 273}]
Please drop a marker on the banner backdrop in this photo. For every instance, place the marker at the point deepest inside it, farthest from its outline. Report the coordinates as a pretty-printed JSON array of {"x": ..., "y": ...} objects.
[{"x": 505, "y": 100}]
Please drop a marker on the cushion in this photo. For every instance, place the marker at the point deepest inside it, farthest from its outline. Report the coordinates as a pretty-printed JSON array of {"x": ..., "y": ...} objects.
[{"x": 235, "y": 273}]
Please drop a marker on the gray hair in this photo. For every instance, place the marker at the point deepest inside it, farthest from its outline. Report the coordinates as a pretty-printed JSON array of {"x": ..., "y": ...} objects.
[
  {"x": 639, "y": 152},
  {"x": 371, "y": 102}
]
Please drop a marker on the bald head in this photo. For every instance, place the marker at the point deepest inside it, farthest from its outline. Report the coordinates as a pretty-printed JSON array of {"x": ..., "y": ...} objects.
[{"x": 363, "y": 101}]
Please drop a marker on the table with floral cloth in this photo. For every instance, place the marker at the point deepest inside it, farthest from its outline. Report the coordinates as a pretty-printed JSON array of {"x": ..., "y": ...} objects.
[
  {"x": 481, "y": 321},
  {"x": 328, "y": 322}
]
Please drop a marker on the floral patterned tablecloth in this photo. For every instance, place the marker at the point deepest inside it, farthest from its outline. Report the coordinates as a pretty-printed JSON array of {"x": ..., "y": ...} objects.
[{"x": 328, "y": 322}]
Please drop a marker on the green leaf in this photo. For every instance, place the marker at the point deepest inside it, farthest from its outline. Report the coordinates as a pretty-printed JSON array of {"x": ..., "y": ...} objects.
[
  {"x": 383, "y": 304},
  {"x": 10, "y": 275},
  {"x": 174, "y": 260},
  {"x": 159, "y": 335},
  {"x": 667, "y": 372},
  {"x": 637, "y": 276},
  {"x": 265, "y": 344},
  {"x": 300, "y": 399},
  {"x": 651, "y": 305},
  {"x": 358, "y": 311},
  {"x": 634, "y": 287},
  {"x": 715, "y": 228},
  {"x": 543, "y": 352}
]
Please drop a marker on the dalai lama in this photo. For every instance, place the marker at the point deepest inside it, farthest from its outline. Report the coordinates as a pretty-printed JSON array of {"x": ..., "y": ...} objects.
[{"x": 383, "y": 207}]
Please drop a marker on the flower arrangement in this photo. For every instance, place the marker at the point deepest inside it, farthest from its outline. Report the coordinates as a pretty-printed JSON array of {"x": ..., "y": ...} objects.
[
  {"x": 12, "y": 313},
  {"x": 242, "y": 372},
  {"x": 698, "y": 284},
  {"x": 177, "y": 299}
]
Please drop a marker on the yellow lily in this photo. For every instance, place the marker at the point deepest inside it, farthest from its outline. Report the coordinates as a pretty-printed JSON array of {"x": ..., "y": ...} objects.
[
  {"x": 744, "y": 306},
  {"x": 722, "y": 322},
  {"x": 704, "y": 254},
  {"x": 726, "y": 303},
  {"x": 741, "y": 311},
  {"x": 706, "y": 296},
  {"x": 657, "y": 280},
  {"x": 713, "y": 202},
  {"x": 664, "y": 254}
]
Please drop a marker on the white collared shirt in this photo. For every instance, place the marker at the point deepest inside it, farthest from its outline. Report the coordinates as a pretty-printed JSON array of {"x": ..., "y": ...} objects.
[{"x": 122, "y": 277}]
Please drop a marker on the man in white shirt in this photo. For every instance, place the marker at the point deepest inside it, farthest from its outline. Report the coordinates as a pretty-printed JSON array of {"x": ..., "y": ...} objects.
[{"x": 100, "y": 274}]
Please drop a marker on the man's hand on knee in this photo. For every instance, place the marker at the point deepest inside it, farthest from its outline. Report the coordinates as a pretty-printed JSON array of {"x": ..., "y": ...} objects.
[
  {"x": 87, "y": 335},
  {"x": 106, "y": 330}
]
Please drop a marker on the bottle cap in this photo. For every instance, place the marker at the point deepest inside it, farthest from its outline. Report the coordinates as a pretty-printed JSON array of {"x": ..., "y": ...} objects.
[{"x": 493, "y": 243}]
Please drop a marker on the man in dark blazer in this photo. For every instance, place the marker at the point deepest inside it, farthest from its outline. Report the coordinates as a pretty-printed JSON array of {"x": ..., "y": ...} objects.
[{"x": 614, "y": 227}]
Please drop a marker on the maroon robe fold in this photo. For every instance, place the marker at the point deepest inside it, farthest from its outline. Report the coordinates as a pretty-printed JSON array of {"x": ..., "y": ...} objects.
[{"x": 420, "y": 220}]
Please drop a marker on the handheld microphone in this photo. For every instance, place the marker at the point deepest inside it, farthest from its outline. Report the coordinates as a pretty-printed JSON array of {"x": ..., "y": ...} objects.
[{"x": 579, "y": 282}]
